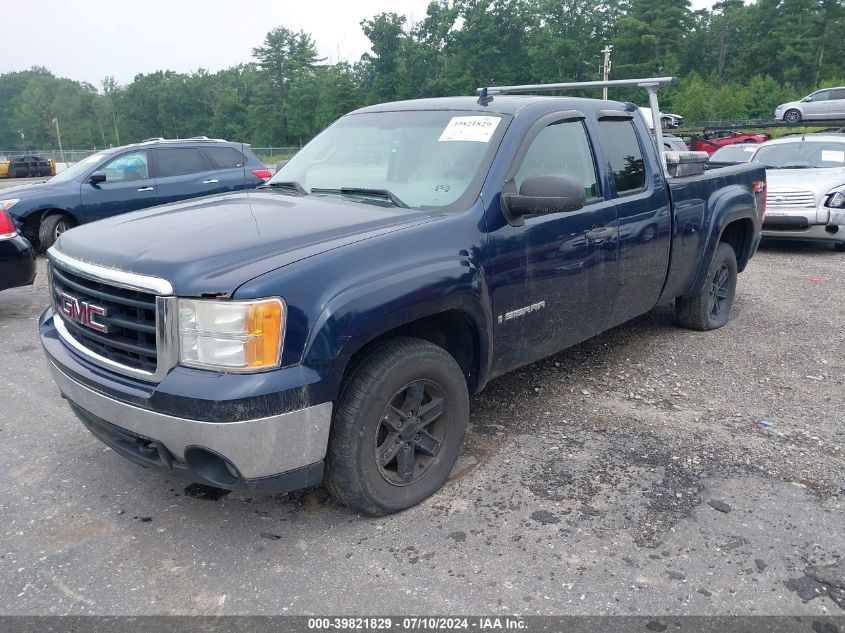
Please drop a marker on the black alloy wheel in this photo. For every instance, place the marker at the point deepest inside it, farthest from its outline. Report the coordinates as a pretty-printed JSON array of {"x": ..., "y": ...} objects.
[{"x": 411, "y": 433}]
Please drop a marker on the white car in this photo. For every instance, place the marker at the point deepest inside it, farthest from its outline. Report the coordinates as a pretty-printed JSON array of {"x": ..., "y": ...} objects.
[
  {"x": 805, "y": 178},
  {"x": 828, "y": 103}
]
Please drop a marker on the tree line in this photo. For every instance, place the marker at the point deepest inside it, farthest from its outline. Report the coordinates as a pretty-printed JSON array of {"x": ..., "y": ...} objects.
[{"x": 735, "y": 61}]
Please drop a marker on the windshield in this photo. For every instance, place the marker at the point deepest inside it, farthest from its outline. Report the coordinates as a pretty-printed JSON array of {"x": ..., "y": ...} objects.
[
  {"x": 77, "y": 169},
  {"x": 802, "y": 155},
  {"x": 419, "y": 159},
  {"x": 739, "y": 153}
]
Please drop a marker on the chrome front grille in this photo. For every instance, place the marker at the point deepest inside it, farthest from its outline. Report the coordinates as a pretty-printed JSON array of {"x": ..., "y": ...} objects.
[
  {"x": 130, "y": 319},
  {"x": 790, "y": 198},
  {"x": 115, "y": 318}
]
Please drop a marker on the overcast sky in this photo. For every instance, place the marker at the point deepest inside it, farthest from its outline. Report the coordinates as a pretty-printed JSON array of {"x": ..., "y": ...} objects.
[{"x": 89, "y": 39}]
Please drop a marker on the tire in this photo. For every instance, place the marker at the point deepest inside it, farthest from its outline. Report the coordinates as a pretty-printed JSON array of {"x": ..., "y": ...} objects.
[
  {"x": 839, "y": 247},
  {"x": 51, "y": 227},
  {"x": 711, "y": 307},
  {"x": 792, "y": 116},
  {"x": 377, "y": 412}
]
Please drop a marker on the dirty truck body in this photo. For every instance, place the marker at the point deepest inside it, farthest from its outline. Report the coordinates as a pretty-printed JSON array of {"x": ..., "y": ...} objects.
[{"x": 389, "y": 316}]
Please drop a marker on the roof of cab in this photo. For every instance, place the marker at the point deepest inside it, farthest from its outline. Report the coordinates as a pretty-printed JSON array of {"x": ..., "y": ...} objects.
[{"x": 499, "y": 104}]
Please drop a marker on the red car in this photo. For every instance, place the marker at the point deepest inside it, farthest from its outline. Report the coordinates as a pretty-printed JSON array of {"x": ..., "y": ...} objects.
[{"x": 714, "y": 140}]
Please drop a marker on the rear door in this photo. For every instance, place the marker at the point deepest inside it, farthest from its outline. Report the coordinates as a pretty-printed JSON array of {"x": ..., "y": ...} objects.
[
  {"x": 553, "y": 275},
  {"x": 836, "y": 103},
  {"x": 182, "y": 173},
  {"x": 129, "y": 186},
  {"x": 229, "y": 165},
  {"x": 642, "y": 208}
]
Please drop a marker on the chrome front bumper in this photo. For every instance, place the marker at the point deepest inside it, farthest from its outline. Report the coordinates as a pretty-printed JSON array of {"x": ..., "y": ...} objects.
[{"x": 258, "y": 448}]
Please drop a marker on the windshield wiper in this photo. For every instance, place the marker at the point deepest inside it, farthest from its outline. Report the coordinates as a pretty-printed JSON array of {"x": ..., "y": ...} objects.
[
  {"x": 287, "y": 184},
  {"x": 792, "y": 167},
  {"x": 364, "y": 191}
]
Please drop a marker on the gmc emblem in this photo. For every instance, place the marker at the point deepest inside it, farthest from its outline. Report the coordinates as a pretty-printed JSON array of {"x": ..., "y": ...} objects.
[{"x": 83, "y": 312}]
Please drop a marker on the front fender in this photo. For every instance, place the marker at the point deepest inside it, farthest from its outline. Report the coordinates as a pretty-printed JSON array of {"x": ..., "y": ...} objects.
[{"x": 362, "y": 313}]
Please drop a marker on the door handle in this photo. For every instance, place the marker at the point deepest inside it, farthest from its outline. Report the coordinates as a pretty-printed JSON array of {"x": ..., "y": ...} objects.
[
  {"x": 600, "y": 234},
  {"x": 146, "y": 189},
  {"x": 213, "y": 181}
]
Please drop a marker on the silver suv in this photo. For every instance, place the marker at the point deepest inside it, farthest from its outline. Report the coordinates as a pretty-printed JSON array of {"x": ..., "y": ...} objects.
[
  {"x": 828, "y": 103},
  {"x": 805, "y": 178}
]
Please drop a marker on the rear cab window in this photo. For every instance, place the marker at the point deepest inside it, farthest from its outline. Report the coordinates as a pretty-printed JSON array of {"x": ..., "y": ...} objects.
[{"x": 622, "y": 150}]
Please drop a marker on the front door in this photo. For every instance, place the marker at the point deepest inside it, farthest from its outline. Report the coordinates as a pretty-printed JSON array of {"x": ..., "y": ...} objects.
[
  {"x": 554, "y": 276},
  {"x": 129, "y": 186},
  {"x": 818, "y": 107}
]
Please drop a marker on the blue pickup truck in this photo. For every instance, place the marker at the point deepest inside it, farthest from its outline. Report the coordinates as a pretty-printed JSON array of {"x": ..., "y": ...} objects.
[{"x": 331, "y": 325}]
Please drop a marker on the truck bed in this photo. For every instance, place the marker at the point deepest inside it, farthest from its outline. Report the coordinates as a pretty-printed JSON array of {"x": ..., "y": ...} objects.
[{"x": 708, "y": 197}]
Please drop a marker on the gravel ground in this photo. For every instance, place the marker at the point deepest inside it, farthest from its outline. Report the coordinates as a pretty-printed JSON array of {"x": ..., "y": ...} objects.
[{"x": 650, "y": 470}]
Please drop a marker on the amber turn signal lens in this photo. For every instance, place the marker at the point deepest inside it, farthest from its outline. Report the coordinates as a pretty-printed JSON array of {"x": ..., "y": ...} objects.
[{"x": 264, "y": 329}]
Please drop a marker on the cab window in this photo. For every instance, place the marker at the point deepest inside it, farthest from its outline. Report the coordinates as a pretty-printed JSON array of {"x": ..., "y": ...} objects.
[
  {"x": 561, "y": 148},
  {"x": 622, "y": 150},
  {"x": 127, "y": 167}
]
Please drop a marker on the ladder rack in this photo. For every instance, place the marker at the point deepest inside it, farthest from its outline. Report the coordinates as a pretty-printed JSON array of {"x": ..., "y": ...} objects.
[{"x": 651, "y": 85}]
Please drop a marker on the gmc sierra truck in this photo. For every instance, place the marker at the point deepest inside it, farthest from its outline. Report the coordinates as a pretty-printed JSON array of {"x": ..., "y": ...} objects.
[{"x": 331, "y": 326}]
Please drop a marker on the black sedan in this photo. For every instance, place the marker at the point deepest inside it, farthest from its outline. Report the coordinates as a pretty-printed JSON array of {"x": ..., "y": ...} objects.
[{"x": 17, "y": 257}]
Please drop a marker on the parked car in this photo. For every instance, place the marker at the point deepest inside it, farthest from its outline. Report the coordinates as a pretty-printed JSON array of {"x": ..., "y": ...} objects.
[
  {"x": 732, "y": 154},
  {"x": 674, "y": 143},
  {"x": 806, "y": 188},
  {"x": 129, "y": 178},
  {"x": 712, "y": 141},
  {"x": 671, "y": 120},
  {"x": 331, "y": 325},
  {"x": 17, "y": 257},
  {"x": 828, "y": 103}
]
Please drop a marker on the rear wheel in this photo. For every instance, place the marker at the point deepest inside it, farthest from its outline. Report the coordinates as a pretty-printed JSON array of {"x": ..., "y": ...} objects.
[
  {"x": 51, "y": 228},
  {"x": 792, "y": 116},
  {"x": 398, "y": 427},
  {"x": 711, "y": 307},
  {"x": 839, "y": 247}
]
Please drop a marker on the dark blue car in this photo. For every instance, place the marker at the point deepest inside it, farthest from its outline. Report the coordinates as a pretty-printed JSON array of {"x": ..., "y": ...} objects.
[{"x": 130, "y": 178}]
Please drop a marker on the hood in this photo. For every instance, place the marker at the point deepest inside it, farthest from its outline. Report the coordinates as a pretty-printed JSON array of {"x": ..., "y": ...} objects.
[
  {"x": 213, "y": 245},
  {"x": 26, "y": 191},
  {"x": 819, "y": 181}
]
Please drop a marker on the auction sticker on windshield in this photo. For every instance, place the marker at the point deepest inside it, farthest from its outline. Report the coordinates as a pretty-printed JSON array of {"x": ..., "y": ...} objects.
[
  {"x": 828, "y": 156},
  {"x": 470, "y": 128}
]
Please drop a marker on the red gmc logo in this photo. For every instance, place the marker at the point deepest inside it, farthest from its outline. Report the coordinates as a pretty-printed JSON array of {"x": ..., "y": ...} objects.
[{"x": 83, "y": 312}]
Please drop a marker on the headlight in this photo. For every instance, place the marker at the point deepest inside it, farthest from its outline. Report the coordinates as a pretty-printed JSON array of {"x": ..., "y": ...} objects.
[
  {"x": 836, "y": 200},
  {"x": 238, "y": 336},
  {"x": 8, "y": 203}
]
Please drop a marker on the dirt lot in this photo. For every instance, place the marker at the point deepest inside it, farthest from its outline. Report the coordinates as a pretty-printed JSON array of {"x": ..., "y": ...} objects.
[{"x": 651, "y": 470}]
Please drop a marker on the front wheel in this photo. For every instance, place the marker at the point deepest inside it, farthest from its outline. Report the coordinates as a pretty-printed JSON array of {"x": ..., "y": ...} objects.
[
  {"x": 710, "y": 308},
  {"x": 51, "y": 228},
  {"x": 792, "y": 116},
  {"x": 398, "y": 427}
]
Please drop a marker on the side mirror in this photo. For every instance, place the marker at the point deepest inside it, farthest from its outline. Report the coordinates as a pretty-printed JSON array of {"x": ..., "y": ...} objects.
[
  {"x": 541, "y": 195},
  {"x": 806, "y": 100},
  {"x": 96, "y": 178}
]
